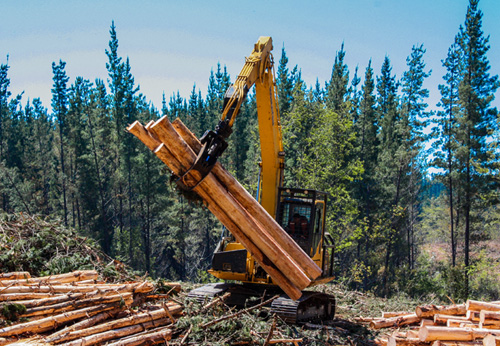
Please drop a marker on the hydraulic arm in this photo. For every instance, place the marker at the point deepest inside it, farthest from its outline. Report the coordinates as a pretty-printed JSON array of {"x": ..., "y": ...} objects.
[{"x": 258, "y": 71}]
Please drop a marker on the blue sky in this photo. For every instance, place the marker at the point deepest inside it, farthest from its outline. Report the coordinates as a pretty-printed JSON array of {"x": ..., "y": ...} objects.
[{"x": 173, "y": 45}]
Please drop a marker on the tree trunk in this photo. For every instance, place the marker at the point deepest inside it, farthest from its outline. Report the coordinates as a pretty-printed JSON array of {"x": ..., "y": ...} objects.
[
  {"x": 63, "y": 175},
  {"x": 153, "y": 338},
  {"x": 230, "y": 212},
  {"x": 395, "y": 321},
  {"x": 79, "y": 275},
  {"x": 427, "y": 311},
  {"x": 73, "y": 305},
  {"x": 49, "y": 323},
  {"x": 248, "y": 202},
  {"x": 140, "y": 318},
  {"x": 491, "y": 340},
  {"x": 101, "y": 338},
  {"x": 430, "y": 333},
  {"x": 475, "y": 305}
]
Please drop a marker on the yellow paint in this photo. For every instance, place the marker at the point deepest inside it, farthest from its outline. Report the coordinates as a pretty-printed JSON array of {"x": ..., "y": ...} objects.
[{"x": 258, "y": 70}]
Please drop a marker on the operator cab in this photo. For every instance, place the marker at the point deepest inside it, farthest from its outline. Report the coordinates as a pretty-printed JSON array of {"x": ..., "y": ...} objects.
[{"x": 301, "y": 214}]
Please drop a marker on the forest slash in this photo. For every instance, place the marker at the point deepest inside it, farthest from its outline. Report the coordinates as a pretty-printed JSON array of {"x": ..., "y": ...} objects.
[{"x": 79, "y": 308}]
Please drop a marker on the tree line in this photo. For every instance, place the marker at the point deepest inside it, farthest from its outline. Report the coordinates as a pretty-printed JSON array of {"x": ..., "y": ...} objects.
[{"x": 363, "y": 140}]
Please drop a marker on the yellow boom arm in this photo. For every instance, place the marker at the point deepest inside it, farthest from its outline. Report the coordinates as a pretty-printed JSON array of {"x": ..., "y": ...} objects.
[{"x": 258, "y": 71}]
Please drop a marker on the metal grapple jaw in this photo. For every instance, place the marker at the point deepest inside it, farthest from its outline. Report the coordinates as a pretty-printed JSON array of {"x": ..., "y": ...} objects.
[
  {"x": 214, "y": 142},
  {"x": 213, "y": 145}
]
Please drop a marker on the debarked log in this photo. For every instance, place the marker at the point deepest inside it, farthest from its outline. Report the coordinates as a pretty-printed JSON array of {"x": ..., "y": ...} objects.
[
  {"x": 456, "y": 343},
  {"x": 249, "y": 203},
  {"x": 14, "y": 276},
  {"x": 17, "y": 297},
  {"x": 395, "y": 321},
  {"x": 52, "y": 322},
  {"x": 138, "y": 287},
  {"x": 476, "y": 305},
  {"x": 166, "y": 133},
  {"x": 427, "y": 311},
  {"x": 442, "y": 318},
  {"x": 489, "y": 317},
  {"x": 100, "y": 338},
  {"x": 431, "y": 333},
  {"x": 74, "y": 305},
  {"x": 86, "y": 323},
  {"x": 51, "y": 300},
  {"x": 397, "y": 341},
  {"x": 139, "y": 318},
  {"x": 80, "y": 275},
  {"x": 234, "y": 217},
  {"x": 491, "y": 340},
  {"x": 152, "y": 338}
]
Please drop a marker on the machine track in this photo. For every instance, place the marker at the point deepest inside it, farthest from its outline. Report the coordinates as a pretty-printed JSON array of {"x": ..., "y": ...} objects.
[
  {"x": 312, "y": 306},
  {"x": 205, "y": 293}
]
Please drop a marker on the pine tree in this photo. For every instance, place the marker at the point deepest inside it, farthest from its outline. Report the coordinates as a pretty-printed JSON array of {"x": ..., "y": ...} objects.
[
  {"x": 36, "y": 156},
  {"x": 99, "y": 130},
  {"x": 415, "y": 115},
  {"x": 130, "y": 144},
  {"x": 79, "y": 184},
  {"x": 43, "y": 149},
  {"x": 196, "y": 111},
  {"x": 390, "y": 170},
  {"x": 365, "y": 188},
  {"x": 366, "y": 127},
  {"x": 4, "y": 115},
  {"x": 446, "y": 144},
  {"x": 476, "y": 92},
  {"x": 337, "y": 88},
  {"x": 284, "y": 83},
  {"x": 124, "y": 111},
  {"x": 4, "y": 98},
  {"x": 115, "y": 69},
  {"x": 60, "y": 110}
]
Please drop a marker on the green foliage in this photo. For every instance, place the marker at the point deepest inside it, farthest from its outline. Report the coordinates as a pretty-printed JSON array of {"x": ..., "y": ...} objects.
[
  {"x": 43, "y": 247},
  {"x": 11, "y": 311},
  {"x": 466, "y": 148},
  {"x": 363, "y": 146},
  {"x": 485, "y": 277}
]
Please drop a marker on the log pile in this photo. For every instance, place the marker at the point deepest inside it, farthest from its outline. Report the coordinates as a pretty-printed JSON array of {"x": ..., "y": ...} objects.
[
  {"x": 274, "y": 250},
  {"x": 471, "y": 323},
  {"x": 78, "y": 309}
]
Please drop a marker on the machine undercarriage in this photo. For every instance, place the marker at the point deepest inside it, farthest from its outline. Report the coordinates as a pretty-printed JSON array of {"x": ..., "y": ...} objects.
[{"x": 311, "y": 307}]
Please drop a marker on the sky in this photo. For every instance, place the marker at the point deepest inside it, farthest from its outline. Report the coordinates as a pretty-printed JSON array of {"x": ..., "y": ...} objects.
[{"x": 173, "y": 45}]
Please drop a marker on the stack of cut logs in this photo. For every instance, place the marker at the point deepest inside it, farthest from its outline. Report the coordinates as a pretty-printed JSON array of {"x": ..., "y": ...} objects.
[
  {"x": 471, "y": 323},
  {"x": 275, "y": 251},
  {"x": 77, "y": 309}
]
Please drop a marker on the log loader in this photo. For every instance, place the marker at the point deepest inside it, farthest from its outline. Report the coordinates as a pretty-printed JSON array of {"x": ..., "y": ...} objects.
[{"x": 300, "y": 212}]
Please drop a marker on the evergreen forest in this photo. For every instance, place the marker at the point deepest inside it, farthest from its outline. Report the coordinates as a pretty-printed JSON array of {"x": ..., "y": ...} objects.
[{"x": 413, "y": 188}]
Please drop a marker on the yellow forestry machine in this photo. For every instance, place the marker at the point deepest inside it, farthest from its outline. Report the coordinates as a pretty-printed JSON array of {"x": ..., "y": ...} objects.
[{"x": 300, "y": 212}]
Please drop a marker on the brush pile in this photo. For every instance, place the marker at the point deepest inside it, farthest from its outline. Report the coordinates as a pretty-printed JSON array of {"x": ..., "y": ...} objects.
[
  {"x": 471, "y": 323},
  {"x": 43, "y": 246},
  {"x": 78, "y": 309}
]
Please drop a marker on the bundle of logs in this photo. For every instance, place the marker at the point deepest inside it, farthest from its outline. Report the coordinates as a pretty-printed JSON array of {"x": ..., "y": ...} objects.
[
  {"x": 78, "y": 309},
  {"x": 274, "y": 250},
  {"x": 471, "y": 323}
]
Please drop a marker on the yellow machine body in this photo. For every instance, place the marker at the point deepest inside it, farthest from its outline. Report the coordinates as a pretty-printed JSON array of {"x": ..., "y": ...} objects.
[{"x": 231, "y": 260}]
